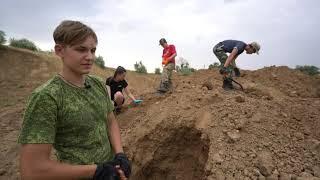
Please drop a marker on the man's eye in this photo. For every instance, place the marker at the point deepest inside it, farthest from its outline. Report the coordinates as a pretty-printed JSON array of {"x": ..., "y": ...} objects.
[
  {"x": 93, "y": 50},
  {"x": 81, "y": 50}
]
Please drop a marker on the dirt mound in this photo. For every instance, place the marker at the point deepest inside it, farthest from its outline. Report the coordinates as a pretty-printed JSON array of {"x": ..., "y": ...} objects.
[
  {"x": 262, "y": 131},
  {"x": 197, "y": 131},
  {"x": 290, "y": 82}
]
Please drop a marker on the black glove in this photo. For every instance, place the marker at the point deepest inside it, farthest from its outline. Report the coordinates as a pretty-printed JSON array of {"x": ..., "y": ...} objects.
[
  {"x": 223, "y": 70},
  {"x": 124, "y": 163},
  {"x": 236, "y": 72},
  {"x": 106, "y": 171}
]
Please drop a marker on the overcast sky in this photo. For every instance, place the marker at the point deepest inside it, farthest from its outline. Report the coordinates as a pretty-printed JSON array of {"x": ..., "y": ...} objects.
[{"x": 129, "y": 30}]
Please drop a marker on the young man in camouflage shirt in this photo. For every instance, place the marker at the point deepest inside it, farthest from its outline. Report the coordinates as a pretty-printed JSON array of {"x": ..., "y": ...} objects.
[{"x": 72, "y": 113}]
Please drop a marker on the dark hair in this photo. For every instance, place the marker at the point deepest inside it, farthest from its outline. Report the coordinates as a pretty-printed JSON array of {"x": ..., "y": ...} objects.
[
  {"x": 119, "y": 70},
  {"x": 162, "y": 41}
]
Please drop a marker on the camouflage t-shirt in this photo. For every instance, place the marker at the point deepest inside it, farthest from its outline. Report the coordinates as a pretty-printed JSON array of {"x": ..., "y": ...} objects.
[{"x": 71, "y": 118}]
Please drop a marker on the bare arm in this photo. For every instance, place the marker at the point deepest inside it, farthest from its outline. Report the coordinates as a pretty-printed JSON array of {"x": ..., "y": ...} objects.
[
  {"x": 35, "y": 163},
  {"x": 108, "y": 91},
  {"x": 114, "y": 133},
  {"x": 129, "y": 93},
  {"x": 232, "y": 57},
  {"x": 172, "y": 56}
]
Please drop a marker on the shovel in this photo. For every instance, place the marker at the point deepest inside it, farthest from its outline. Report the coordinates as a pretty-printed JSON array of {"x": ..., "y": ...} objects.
[
  {"x": 237, "y": 83},
  {"x": 138, "y": 101}
]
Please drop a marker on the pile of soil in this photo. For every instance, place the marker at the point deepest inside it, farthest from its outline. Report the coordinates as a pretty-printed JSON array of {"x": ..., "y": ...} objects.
[{"x": 262, "y": 132}]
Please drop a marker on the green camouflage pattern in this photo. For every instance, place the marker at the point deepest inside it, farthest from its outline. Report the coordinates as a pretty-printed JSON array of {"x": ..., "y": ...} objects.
[
  {"x": 72, "y": 119},
  {"x": 167, "y": 72},
  {"x": 222, "y": 56}
]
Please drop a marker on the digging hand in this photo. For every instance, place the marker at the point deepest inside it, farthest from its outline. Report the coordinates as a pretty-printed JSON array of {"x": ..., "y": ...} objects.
[{"x": 223, "y": 70}]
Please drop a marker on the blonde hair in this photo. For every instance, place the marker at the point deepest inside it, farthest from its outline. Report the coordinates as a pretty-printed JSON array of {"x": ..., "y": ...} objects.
[{"x": 72, "y": 32}]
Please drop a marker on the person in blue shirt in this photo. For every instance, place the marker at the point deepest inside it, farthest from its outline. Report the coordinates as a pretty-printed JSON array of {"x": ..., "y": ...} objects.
[{"x": 228, "y": 65}]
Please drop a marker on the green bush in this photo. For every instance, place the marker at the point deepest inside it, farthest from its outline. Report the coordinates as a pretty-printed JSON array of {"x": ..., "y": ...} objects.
[
  {"x": 140, "y": 68},
  {"x": 99, "y": 62},
  {"x": 2, "y": 37},
  {"x": 310, "y": 70},
  {"x": 157, "y": 71},
  {"x": 23, "y": 43},
  {"x": 214, "y": 65},
  {"x": 184, "y": 69}
]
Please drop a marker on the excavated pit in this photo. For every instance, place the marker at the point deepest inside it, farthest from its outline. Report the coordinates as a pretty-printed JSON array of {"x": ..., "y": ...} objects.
[{"x": 182, "y": 155}]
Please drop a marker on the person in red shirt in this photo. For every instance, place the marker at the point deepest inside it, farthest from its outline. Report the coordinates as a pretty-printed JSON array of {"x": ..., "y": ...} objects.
[{"x": 168, "y": 62}]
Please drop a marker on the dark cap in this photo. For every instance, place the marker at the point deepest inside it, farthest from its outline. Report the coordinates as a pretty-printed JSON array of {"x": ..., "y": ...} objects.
[{"x": 162, "y": 41}]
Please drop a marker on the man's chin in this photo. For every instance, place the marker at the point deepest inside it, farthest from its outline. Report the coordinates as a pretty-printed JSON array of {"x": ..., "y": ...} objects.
[{"x": 84, "y": 72}]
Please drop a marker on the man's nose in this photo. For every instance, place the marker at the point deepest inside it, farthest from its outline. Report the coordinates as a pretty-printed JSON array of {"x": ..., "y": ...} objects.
[{"x": 90, "y": 56}]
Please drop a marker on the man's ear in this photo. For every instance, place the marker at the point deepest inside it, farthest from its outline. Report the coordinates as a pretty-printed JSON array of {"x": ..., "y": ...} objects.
[{"x": 59, "y": 50}]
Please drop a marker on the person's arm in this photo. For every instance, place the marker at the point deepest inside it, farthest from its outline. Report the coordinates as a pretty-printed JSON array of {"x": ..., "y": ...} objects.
[
  {"x": 232, "y": 57},
  {"x": 114, "y": 134},
  {"x": 108, "y": 90},
  {"x": 35, "y": 163},
  {"x": 121, "y": 159},
  {"x": 172, "y": 56},
  {"x": 127, "y": 91}
]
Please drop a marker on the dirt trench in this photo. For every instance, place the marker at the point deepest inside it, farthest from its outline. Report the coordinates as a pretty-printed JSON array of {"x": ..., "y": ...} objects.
[{"x": 181, "y": 155}]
